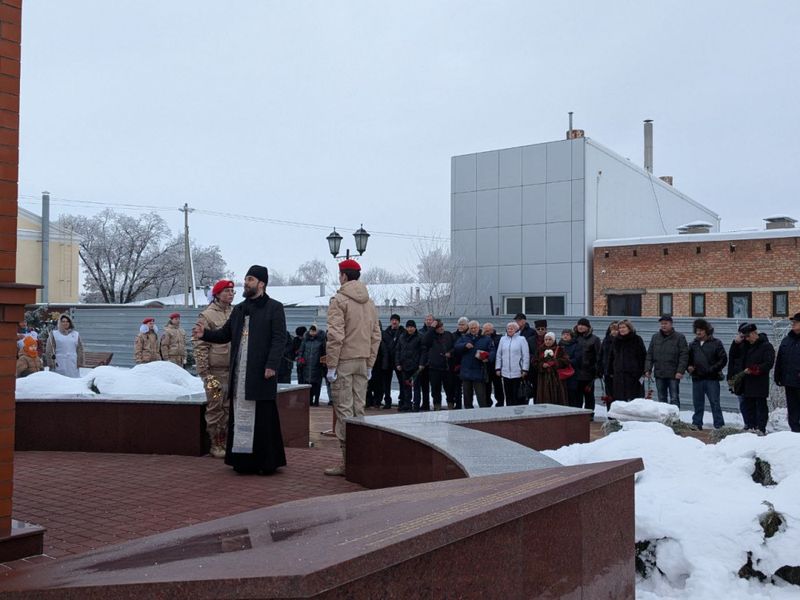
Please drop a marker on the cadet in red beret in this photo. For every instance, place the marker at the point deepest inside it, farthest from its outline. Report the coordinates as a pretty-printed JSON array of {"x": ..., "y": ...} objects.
[
  {"x": 172, "y": 346},
  {"x": 145, "y": 347}
]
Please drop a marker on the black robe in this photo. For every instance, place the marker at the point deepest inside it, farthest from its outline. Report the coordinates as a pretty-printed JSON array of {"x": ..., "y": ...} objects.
[{"x": 267, "y": 340}]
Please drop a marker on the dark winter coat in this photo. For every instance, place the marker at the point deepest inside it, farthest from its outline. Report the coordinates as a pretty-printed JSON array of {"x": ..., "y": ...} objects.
[
  {"x": 455, "y": 359},
  {"x": 473, "y": 369},
  {"x": 605, "y": 353},
  {"x": 759, "y": 358},
  {"x": 389, "y": 339},
  {"x": 496, "y": 337},
  {"x": 549, "y": 387},
  {"x": 265, "y": 346},
  {"x": 438, "y": 346},
  {"x": 409, "y": 352},
  {"x": 787, "y": 366},
  {"x": 708, "y": 359},
  {"x": 574, "y": 352},
  {"x": 285, "y": 370},
  {"x": 312, "y": 349},
  {"x": 527, "y": 331},
  {"x": 590, "y": 351},
  {"x": 667, "y": 354},
  {"x": 735, "y": 358},
  {"x": 626, "y": 364}
]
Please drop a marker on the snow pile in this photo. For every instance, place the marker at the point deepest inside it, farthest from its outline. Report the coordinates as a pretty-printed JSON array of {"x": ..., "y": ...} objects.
[
  {"x": 642, "y": 409},
  {"x": 699, "y": 511},
  {"x": 46, "y": 384},
  {"x": 156, "y": 380}
]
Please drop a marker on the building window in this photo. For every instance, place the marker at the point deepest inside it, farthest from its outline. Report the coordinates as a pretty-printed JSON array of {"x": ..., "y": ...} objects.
[
  {"x": 513, "y": 306},
  {"x": 635, "y": 253},
  {"x": 769, "y": 247},
  {"x": 780, "y": 304},
  {"x": 698, "y": 250},
  {"x": 535, "y": 305},
  {"x": 665, "y": 304},
  {"x": 666, "y": 251},
  {"x": 698, "y": 305},
  {"x": 605, "y": 254},
  {"x": 740, "y": 305},
  {"x": 624, "y": 305}
]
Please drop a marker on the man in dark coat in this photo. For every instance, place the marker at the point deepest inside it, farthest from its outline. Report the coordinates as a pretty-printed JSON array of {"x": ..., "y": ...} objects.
[
  {"x": 406, "y": 360},
  {"x": 707, "y": 358},
  {"x": 626, "y": 362},
  {"x": 525, "y": 330},
  {"x": 439, "y": 347},
  {"x": 667, "y": 359},
  {"x": 787, "y": 372},
  {"x": 390, "y": 337},
  {"x": 758, "y": 360},
  {"x": 590, "y": 360},
  {"x": 422, "y": 384},
  {"x": 535, "y": 342},
  {"x": 256, "y": 331}
]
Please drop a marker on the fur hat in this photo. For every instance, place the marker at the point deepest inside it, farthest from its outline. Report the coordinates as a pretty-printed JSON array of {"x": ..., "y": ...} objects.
[
  {"x": 796, "y": 317},
  {"x": 540, "y": 323},
  {"x": 702, "y": 324}
]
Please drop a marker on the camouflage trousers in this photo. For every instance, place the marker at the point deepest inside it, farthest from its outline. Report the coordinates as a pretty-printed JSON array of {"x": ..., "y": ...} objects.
[{"x": 217, "y": 409}]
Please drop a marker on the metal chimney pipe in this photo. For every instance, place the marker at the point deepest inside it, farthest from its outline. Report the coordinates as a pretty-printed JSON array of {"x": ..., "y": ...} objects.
[
  {"x": 569, "y": 131},
  {"x": 45, "y": 247},
  {"x": 648, "y": 145}
]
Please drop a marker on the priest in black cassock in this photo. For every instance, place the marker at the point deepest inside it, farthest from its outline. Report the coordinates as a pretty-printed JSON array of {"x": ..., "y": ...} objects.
[{"x": 256, "y": 331}]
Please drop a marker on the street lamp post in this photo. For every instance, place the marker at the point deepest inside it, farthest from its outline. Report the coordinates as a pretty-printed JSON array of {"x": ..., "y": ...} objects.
[{"x": 335, "y": 242}]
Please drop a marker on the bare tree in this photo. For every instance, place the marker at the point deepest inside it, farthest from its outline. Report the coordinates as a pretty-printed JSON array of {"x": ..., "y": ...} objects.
[
  {"x": 311, "y": 272},
  {"x": 378, "y": 275},
  {"x": 435, "y": 273},
  {"x": 122, "y": 255},
  {"x": 277, "y": 278},
  {"x": 209, "y": 267}
]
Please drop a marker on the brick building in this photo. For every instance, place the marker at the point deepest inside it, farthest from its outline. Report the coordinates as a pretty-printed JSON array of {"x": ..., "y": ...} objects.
[{"x": 742, "y": 275}]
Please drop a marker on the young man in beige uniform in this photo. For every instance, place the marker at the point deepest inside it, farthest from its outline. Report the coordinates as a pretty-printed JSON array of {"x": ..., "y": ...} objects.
[{"x": 352, "y": 346}]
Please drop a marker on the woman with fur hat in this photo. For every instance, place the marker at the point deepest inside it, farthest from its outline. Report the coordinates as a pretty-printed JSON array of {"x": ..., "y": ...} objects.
[{"x": 64, "y": 350}]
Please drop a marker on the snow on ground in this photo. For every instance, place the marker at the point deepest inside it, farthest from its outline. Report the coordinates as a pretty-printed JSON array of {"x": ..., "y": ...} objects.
[
  {"x": 700, "y": 507},
  {"x": 157, "y": 380}
]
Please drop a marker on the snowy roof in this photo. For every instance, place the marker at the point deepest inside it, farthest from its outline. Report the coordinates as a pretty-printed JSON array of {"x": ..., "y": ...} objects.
[
  {"x": 382, "y": 294},
  {"x": 684, "y": 238}
]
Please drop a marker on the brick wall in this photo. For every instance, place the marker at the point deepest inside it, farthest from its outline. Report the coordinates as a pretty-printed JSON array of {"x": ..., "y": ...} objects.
[
  {"x": 714, "y": 270},
  {"x": 11, "y": 297}
]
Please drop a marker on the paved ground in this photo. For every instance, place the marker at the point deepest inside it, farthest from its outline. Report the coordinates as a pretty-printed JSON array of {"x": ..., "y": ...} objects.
[{"x": 89, "y": 500}]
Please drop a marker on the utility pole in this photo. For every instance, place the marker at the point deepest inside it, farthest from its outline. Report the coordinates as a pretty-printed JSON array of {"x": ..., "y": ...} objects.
[
  {"x": 187, "y": 258},
  {"x": 45, "y": 247}
]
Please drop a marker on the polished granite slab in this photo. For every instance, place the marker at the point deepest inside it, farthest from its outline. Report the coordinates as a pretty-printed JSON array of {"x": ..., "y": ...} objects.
[
  {"x": 408, "y": 448},
  {"x": 530, "y": 534}
]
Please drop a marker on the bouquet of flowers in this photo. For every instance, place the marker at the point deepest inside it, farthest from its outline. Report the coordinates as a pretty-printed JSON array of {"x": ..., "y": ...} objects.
[
  {"x": 482, "y": 355},
  {"x": 549, "y": 353},
  {"x": 736, "y": 383}
]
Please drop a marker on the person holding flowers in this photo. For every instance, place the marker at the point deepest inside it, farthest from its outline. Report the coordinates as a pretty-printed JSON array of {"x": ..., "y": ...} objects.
[{"x": 549, "y": 358}]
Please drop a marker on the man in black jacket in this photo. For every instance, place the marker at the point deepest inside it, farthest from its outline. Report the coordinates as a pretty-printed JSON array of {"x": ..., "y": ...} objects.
[
  {"x": 787, "y": 372},
  {"x": 390, "y": 337},
  {"x": 758, "y": 360},
  {"x": 590, "y": 359},
  {"x": 439, "y": 348},
  {"x": 407, "y": 362},
  {"x": 707, "y": 358}
]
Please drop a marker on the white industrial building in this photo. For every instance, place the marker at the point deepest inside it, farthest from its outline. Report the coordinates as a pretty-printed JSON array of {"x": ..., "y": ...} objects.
[{"x": 523, "y": 221}]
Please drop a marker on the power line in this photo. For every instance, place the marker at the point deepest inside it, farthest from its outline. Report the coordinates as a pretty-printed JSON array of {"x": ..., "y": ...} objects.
[{"x": 252, "y": 218}]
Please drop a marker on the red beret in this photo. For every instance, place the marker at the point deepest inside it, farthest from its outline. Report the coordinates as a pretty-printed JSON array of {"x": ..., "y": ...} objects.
[
  {"x": 349, "y": 265},
  {"x": 222, "y": 284},
  {"x": 148, "y": 320},
  {"x": 175, "y": 316}
]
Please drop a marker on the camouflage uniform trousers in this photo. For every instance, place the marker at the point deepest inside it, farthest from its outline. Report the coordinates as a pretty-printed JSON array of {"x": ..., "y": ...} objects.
[{"x": 217, "y": 410}]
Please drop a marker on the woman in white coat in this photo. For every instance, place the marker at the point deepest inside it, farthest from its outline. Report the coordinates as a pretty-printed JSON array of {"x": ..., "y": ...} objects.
[
  {"x": 513, "y": 358},
  {"x": 64, "y": 351}
]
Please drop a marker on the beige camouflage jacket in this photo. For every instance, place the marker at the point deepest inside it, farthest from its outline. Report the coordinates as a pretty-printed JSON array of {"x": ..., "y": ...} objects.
[
  {"x": 145, "y": 348},
  {"x": 353, "y": 330},
  {"x": 207, "y": 356},
  {"x": 173, "y": 344}
]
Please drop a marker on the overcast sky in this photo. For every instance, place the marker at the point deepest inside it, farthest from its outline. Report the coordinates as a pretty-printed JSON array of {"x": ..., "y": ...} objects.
[{"x": 342, "y": 113}]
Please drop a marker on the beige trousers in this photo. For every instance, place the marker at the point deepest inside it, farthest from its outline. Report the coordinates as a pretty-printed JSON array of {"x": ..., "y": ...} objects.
[{"x": 349, "y": 392}]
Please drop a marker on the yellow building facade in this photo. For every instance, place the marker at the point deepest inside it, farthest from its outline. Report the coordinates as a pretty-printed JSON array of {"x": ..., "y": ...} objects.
[{"x": 64, "y": 261}]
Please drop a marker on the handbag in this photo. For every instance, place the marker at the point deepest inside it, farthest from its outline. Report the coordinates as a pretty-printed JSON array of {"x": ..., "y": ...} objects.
[
  {"x": 525, "y": 390},
  {"x": 566, "y": 372}
]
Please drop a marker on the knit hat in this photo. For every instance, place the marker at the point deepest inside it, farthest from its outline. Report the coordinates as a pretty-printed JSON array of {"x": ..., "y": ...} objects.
[
  {"x": 222, "y": 284},
  {"x": 746, "y": 328},
  {"x": 411, "y": 323},
  {"x": 175, "y": 316},
  {"x": 395, "y": 316},
  {"x": 550, "y": 334},
  {"x": 29, "y": 346},
  {"x": 259, "y": 272},
  {"x": 349, "y": 265},
  {"x": 300, "y": 331},
  {"x": 584, "y": 321},
  {"x": 540, "y": 323}
]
